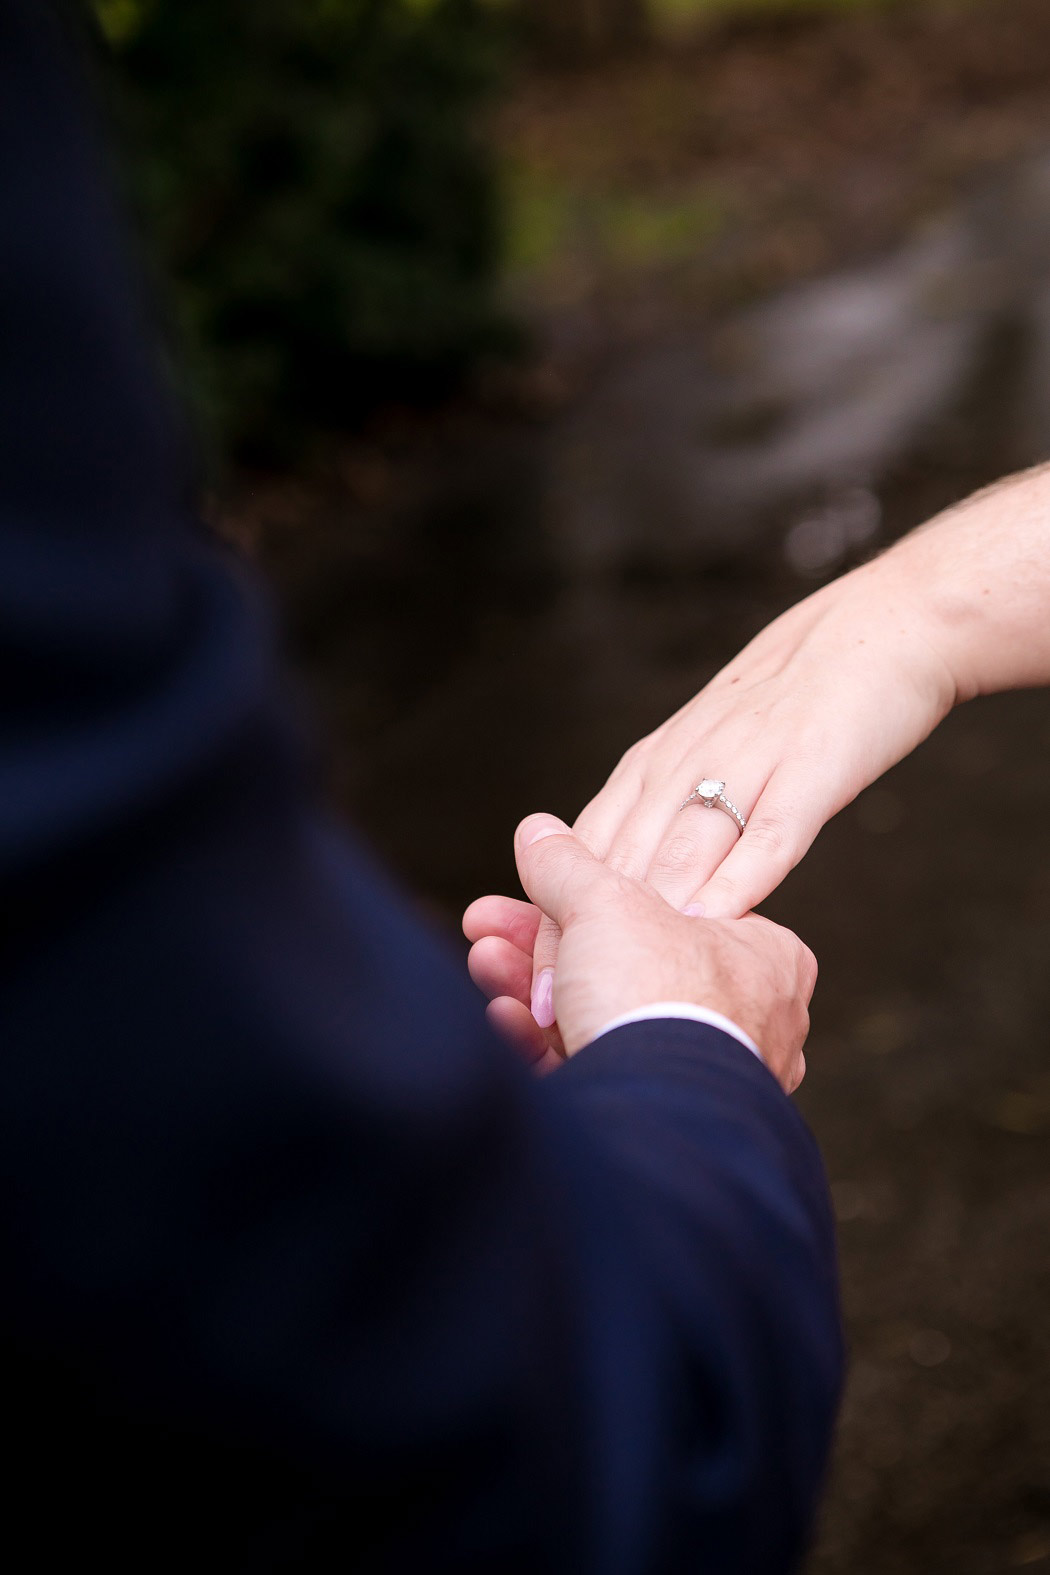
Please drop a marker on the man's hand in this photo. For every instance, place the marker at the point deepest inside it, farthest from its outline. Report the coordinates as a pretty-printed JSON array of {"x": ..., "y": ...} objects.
[{"x": 624, "y": 947}]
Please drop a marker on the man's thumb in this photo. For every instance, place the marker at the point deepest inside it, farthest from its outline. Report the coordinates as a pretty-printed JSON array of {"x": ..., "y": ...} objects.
[{"x": 553, "y": 865}]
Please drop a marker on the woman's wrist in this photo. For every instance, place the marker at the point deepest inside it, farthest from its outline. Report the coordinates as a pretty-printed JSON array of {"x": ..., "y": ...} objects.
[{"x": 882, "y": 613}]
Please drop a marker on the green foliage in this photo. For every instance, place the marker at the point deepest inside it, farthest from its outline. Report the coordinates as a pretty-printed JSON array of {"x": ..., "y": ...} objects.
[
  {"x": 310, "y": 174},
  {"x": 557, "y": 227}
]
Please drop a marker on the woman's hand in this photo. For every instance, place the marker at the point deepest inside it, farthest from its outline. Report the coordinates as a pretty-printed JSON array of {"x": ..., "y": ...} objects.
[
  {"x": 623, "y": 948},
  {"x": 818, "y": 706},
  {"x": 822, "y": 702}
]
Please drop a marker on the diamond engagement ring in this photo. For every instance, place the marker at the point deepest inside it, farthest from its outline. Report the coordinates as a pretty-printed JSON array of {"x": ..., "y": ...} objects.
[{"x": 711, "y": 793}]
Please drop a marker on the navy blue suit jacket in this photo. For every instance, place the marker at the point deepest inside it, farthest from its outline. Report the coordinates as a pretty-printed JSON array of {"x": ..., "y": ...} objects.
[{"x": 302, "y": 1269}]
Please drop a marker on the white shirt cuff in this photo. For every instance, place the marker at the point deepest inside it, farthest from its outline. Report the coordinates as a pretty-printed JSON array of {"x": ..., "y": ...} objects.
[{"x": 682, "y": 1009}]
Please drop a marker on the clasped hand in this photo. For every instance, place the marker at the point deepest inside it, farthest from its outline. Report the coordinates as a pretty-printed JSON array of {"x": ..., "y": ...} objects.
[
  {"x": 647, "y": 902},
  {"x": 623, "y": 947}
]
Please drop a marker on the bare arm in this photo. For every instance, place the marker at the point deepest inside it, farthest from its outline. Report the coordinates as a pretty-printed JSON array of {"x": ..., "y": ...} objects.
[
  {"x": 984, "y": 567},
  {"x": 820, "y": 704}
]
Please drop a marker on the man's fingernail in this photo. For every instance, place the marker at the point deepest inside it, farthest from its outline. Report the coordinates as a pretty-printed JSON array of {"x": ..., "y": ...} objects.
[
  {"x": 695, "y": 910},
  {"x": 543, "y": 998},
  {"x": 543, "y": 826}
]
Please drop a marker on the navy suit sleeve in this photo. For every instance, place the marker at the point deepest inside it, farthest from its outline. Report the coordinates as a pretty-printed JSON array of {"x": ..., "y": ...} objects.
[{"x": 303, "y": 1270}]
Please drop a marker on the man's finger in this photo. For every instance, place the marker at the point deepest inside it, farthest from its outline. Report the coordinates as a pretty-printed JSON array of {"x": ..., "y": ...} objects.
[
  {"x": 554, "y": 867},
  {"x": 595, "y": 826},
  {"x": 552, "y": 863}
]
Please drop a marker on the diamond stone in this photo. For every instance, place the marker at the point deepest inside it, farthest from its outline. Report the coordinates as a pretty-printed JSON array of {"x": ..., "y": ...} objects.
[{"x": 710, "y": 787}]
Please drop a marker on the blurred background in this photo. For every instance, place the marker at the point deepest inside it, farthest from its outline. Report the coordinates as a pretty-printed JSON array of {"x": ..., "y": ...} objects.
[{"x": 542, "y": 351}]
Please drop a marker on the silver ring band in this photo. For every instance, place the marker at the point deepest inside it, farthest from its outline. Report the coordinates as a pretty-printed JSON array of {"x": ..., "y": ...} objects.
[{"x": 710, "y": 792}]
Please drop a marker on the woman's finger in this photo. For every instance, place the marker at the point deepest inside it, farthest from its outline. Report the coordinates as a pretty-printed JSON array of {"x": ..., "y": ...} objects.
[
  {"x": 515, "y": 1023},
  {"x": 502, "y": 972},
  {"x": 508, "y": 917},
  {"x": 673, "y": 842},
  {"x": 542, "y": 986},
  {"x": 775, "y": 840},
  {"x": 498, "y": 968},
  {"x": 697, "y": 838},
  {"x": 598, "y": 822}
]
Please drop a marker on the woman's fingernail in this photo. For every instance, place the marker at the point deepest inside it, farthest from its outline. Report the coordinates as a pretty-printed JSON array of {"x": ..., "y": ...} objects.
[
  {"x": 695, "y": 910},
  {"x": 543, "y": 998}
]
